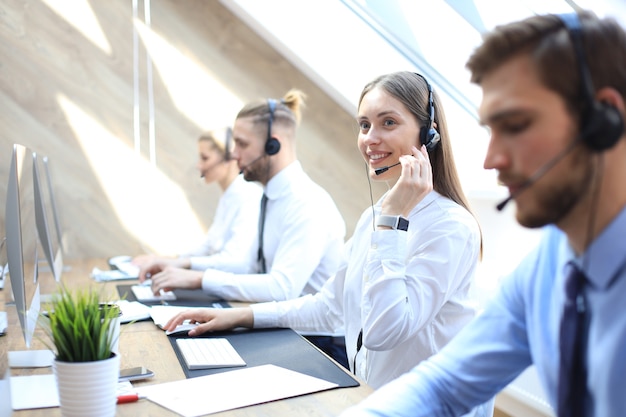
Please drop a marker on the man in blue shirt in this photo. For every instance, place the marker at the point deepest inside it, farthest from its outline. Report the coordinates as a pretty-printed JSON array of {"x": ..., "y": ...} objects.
[{"x": 554, "y": 94}]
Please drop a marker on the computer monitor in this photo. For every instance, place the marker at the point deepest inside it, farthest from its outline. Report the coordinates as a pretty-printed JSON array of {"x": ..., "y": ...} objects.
[
  {"x": 22, "y": 245},
  {"x": 48, "y": 227},
  {"x": 53, "y": 201},
  {"x": 4, "y": 266}
]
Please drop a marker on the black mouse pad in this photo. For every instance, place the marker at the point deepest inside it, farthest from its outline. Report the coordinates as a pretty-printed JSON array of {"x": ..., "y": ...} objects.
[
  {"x": 184, "y": 298},
  {"x": 280, "y": 347}
]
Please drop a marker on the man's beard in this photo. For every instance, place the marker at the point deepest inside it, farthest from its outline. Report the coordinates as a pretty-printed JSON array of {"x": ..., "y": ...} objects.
[
  {"x": 556, "y": 200},
  {"x": 257, "y": 171}
]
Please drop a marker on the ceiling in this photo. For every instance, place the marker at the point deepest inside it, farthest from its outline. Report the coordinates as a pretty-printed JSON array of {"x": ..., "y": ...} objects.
[{"x": 343, "y": 44}]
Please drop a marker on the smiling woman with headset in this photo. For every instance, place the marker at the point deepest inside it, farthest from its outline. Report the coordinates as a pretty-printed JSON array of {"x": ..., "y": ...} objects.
[
  {"x": 405, "y": 287},
  {"x": 232, "y": 230}
]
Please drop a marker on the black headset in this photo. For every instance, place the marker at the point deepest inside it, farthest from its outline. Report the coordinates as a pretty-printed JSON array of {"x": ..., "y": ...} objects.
[
  {"x": 601, "y": 124},
  {"x": 227, "y": 143},
  {"x": 429, "y": 136},
  {"x": 272, "y": 145}
]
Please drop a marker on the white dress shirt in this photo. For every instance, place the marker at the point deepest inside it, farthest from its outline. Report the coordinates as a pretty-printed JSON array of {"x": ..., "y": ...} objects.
[
  {"x": 233, "y": 230},
  {"x": 303, "y": 243},
  {"x": 409, "y": 291}
]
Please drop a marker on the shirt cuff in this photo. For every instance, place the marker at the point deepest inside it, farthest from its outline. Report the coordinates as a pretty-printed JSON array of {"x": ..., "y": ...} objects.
[
  {"x": 200, "y": 263},
  {"x": 212, "y": 281},
  {"x": 265, "y": 314}
]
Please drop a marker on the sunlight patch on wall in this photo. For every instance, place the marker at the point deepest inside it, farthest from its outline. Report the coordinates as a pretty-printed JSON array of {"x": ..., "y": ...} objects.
[
  {"x": 79, "y": 14},
  {"x": 437, "y": 52},
  {"x": 148, "y": 204},
  {"x": 201, "y": 98},
  {"x": 341, "y": 57}
]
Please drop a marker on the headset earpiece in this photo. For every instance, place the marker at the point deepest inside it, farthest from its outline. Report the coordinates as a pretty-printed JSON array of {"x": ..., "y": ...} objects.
[
  {"x": 272, "y": 145},
  {"x": 429, "y": 136},
  {"x": 602, "y": 127},
  {"x": 601, "y": 124}
]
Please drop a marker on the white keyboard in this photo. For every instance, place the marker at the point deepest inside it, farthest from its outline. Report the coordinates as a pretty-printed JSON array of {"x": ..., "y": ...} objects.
[
  {"x": 206, "y": 353},
  {"x": 144, "y": 293}
]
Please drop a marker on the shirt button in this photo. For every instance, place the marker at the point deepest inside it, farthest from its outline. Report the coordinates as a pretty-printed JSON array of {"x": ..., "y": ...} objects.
[{"x": 374, "y": 246}]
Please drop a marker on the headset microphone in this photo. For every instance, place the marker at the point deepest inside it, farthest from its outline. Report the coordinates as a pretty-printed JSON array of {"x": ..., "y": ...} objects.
[
  {"x": 539, "y": 173},
  {"x": 251, "y": 163},
  {"x": 379, "y": 171}
]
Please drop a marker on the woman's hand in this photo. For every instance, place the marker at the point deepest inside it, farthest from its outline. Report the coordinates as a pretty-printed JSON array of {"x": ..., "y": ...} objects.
[
  {"x": 415, "y": 182},
  {"x": 213, "y": 319}
]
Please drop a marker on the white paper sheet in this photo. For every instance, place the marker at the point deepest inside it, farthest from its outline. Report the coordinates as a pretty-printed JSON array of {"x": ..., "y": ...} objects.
[
  {"x": 41, "y": 391},
  {"x": 30, "y": 358},
  {"x": 133, "y": 310},
  {"x": 209, "y": 394},
  {"x": 34, "y": 391},
  {"x": 5, "y": 396}
]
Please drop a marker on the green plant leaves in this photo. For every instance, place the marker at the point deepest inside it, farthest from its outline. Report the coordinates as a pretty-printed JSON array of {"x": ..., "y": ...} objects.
[{"x": 80, "y": 326}]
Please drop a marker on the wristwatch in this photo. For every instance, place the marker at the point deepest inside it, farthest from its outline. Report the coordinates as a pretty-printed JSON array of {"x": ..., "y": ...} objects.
[{"x": 395, "y": 222}]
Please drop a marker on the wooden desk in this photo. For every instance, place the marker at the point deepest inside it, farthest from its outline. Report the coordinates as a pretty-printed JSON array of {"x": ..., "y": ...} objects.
[{"x": 144, "y": 344}]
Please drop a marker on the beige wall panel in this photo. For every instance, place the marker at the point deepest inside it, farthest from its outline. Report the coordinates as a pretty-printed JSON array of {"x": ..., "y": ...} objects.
[{"x": 67, "y": 92}]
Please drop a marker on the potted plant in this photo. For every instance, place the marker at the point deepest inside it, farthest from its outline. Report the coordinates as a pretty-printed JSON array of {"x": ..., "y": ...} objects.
[{"x": 82, "y": 333}]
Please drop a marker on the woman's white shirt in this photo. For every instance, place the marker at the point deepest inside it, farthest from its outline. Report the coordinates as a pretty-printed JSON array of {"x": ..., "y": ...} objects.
[{"x": 409, "y": 292}]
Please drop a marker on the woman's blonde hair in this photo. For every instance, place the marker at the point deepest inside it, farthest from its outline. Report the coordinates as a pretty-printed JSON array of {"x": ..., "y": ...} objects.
[{"x": 219, "y": 139}]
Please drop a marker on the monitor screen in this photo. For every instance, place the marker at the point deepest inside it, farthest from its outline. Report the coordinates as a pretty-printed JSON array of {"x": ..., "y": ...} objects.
[
  {"x": 22, "y": 240},
  {"x": 55, "y": 211},
  {"x": 45, "y": 214}
]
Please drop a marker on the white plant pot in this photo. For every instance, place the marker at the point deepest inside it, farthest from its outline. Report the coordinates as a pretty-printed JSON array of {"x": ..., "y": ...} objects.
[
  {"x": 114, "y": 329},
  {"x": 88, "y": 388}
]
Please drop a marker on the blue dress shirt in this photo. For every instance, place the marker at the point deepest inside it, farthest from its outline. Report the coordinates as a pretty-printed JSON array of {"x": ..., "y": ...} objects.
[{"x": 520, "y": 327}]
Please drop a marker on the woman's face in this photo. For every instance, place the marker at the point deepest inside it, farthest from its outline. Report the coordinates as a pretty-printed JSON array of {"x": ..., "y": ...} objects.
[
  {"x": 387, "y": 130},
  {"x": 209, "y": 162}
]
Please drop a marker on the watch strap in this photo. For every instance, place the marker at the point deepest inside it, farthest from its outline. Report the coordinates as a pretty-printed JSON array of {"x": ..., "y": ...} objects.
[{"x": 395, "y": 222}]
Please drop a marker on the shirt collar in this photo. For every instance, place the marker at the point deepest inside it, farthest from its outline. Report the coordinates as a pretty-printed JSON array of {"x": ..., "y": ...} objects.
[
  {"x": 279, "y": 182},
  {"x": 605, "y": 257}
]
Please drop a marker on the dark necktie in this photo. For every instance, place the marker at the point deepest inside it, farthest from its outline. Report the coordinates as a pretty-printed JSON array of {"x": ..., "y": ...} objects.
[
  {"x": 260, "y": 256},
  {"x": 572, "y": 371}
]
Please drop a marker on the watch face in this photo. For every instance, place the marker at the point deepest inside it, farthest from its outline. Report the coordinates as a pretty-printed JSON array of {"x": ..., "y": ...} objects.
[{"x": 403, "y": 224}]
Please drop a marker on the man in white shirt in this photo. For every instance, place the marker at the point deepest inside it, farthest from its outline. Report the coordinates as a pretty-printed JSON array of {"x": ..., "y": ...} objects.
[{"x": 303, "y": 231}]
